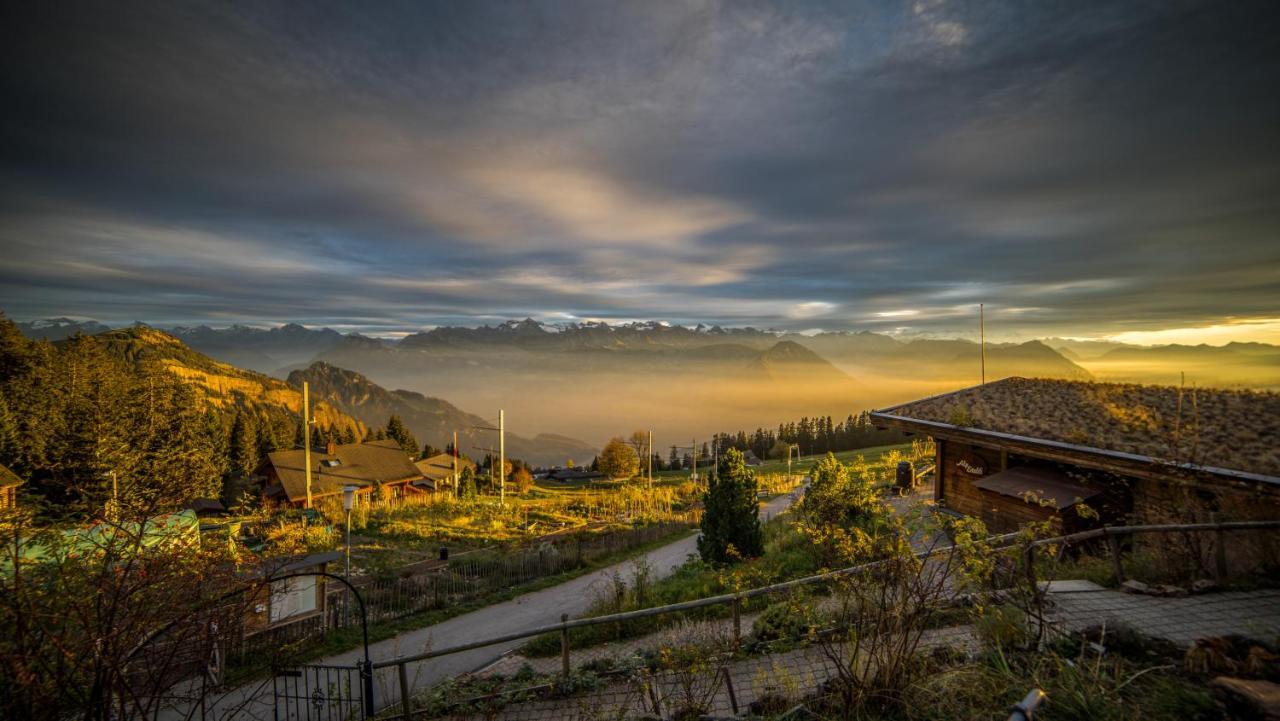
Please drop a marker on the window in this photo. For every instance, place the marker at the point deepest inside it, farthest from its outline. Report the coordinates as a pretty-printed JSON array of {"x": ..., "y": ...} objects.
[{"x": 292, "y": 597}]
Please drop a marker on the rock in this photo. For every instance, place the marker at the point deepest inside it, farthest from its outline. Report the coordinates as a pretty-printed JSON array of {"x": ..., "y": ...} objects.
[
  {"x": 1248, "y": 699},
  {"x": 1132, "y": 586},
  {"x": 1203, "y": 585},
  {"x": 1169, "y": 591}
]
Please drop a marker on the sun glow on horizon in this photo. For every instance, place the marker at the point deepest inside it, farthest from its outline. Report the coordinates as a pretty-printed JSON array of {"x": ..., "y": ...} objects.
[{"x": 1254, "y": 330}]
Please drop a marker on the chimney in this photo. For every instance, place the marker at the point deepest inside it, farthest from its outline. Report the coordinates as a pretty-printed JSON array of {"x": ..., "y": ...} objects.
[{"x": 331, "y": 448}]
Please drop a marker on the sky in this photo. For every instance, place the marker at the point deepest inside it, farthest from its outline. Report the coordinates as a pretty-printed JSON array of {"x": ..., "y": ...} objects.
[{"x": 1105, "y": 169}]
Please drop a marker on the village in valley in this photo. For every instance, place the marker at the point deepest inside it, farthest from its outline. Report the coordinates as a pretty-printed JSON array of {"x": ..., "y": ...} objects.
[
  {"x": 640, "y": 361},
  {"x": 362, "y": 572}
]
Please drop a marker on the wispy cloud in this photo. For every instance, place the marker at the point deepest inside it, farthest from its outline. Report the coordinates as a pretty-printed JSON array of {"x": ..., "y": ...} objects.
[{"x": 1081, "y": 171}]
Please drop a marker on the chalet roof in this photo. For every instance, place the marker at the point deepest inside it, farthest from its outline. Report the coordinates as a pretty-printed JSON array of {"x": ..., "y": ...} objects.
[
  {"x": 1226, "y": 432},
  {"x": 440, "y": 466},
  {"x": 9, "y": 478},
  {"x": 358, "y": 464}
]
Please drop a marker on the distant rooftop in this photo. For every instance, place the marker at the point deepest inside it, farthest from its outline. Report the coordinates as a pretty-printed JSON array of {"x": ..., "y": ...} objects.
[{"x": 1237, "y": 430}]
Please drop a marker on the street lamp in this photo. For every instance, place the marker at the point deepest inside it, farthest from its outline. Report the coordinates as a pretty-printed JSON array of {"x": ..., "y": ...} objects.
[{"x": 348, "y": 500}]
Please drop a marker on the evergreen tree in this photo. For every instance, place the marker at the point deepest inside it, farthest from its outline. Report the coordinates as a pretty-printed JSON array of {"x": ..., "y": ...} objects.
[
  {"x": 731, "y": 519},
  {"x": 397, "y": 432},
  {"x": 8, "y": 435},
  {"x": 243, "y": 446},
  {"x": 467, "y": 485}
]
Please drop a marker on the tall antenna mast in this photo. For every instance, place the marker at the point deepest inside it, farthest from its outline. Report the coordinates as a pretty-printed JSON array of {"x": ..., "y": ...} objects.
[
  {"x": 306, "y": 435},
  {"x": 982, "y": 340}
]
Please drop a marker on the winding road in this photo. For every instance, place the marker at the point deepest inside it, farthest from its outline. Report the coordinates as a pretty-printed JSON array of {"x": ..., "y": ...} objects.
[{"x": 537, "y": 608}]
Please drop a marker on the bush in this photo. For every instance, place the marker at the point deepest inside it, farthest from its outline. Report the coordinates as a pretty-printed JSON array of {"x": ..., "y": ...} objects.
[{"x": 789, "y": 620}]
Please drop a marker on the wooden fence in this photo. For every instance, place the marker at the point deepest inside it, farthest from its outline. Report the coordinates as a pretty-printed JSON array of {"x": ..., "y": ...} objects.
[{"x": 458, "y": 581}]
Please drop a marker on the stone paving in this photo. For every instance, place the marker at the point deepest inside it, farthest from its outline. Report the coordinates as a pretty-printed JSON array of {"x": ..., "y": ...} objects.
[
  {"x": 791, "y": 674},
  {"x": 1255, "y": 614}
]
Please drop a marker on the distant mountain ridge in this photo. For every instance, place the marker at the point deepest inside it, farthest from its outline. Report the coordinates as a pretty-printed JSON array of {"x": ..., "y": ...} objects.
[
  {"x": 53, "y": 329},
  {"x": 431, "y": 420}
]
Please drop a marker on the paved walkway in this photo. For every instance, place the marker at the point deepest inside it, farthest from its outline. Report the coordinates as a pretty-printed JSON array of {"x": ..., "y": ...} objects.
[
  {"x": 530, "y": 610},
  {"x": 1078, "y": 605},
  {"x": 790, "y": 675}
]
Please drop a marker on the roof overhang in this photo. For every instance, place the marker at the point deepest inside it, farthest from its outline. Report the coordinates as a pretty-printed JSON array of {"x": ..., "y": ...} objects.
[
  {"x": 1038, "y": 486},
  {"x": 1099, "y": 458}
]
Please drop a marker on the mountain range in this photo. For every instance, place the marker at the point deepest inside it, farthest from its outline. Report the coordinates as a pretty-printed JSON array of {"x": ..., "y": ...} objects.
[
  {"x": 595, "y": 380},
  {"x": 431, "y": 420}
]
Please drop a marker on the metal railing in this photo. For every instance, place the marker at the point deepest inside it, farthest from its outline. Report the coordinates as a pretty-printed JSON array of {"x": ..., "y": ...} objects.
[{"x": 735, "y": 600}]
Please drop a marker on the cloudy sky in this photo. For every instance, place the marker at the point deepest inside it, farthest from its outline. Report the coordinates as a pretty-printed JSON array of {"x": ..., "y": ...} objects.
[{"x": 385, "y": 167}]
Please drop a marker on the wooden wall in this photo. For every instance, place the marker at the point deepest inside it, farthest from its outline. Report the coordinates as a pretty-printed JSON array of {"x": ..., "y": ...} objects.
[{"x": 960, "y": 465}]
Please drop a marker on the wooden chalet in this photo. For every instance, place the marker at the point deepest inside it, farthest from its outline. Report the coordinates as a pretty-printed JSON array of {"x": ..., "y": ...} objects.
[
  {"x": 437, "y": 471},
  {"x": 570, "y": 475},
  {"x": 380, "y": 466},
  {"x": 1081, "y": 453},
  {"x": 9, "y": 482}
]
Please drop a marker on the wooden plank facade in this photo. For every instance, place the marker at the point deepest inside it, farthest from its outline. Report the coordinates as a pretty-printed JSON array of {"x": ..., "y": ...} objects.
[
  {"x": 962, "y": 464},
  {"x": 1121, "y": 486}
]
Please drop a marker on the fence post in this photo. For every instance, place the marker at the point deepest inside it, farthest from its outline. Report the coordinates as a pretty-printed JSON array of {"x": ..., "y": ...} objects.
[
  {"x": 406, "y": 703},
  {"x": 728, "y": 686},
  {"x": 1219, "y": 551},
  {"x": 564, "y": 645},
  {"x": 1117, "y": 567},
  {"x": 737, "y": 620}
]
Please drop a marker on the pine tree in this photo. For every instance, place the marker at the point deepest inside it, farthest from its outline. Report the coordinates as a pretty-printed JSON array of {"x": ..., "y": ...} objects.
[
  {"x": 397, "y": 432},
  {"x": 243, "y": 450},
  {"x": 467, "y": 485},
  {"x": 731, "y": 519},
  {"x": 8, "y": 435}
]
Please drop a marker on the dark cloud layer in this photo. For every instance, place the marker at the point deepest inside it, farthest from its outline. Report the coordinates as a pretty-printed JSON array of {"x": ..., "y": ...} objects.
[{"x": 382, "y": 166}]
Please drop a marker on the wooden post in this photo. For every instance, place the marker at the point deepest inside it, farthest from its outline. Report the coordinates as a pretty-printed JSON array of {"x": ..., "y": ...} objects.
[
  {"x": 737, "y": 620},
  {"x": 1117, "y": 567},
  {"x": 1219, "y": 551},
  {"x": 564, "y": 646},
  {"x": 728, "y": 686},
  {"x": 406, "y": 702}
]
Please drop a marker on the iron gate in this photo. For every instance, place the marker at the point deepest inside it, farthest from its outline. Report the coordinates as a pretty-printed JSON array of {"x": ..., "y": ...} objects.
[{"x": 322, "y": 693}]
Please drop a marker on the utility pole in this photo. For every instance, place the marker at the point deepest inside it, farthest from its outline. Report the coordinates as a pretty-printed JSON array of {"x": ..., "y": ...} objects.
[
  {"x": 982, "y": 340},
  {"x": 693, "y": 451},
  {"x": 651, "y": 459},
  {"x": 502, "y": 457},
  {"x": 455, "y": 464},
  {"x": 306, "y": 435}
]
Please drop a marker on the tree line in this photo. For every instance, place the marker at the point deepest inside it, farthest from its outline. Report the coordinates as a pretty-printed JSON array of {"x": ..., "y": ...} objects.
[{"x": 819, "y": 434}]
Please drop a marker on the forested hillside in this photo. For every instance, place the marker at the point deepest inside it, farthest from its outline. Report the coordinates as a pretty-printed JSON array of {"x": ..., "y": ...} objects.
[{"x": 136, "y": 404}]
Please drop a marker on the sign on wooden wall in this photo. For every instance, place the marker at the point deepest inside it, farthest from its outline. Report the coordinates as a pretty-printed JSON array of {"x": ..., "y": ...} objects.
[{"x": 969, "y": 464}]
